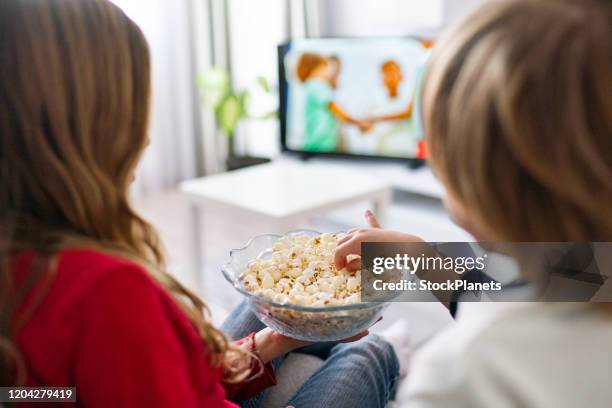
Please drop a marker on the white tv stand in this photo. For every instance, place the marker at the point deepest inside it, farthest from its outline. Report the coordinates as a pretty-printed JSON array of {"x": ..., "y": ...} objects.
[{"x": 419, "y": 181}]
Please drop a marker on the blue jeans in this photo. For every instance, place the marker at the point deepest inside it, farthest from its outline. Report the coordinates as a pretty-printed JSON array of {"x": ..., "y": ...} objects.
[{"x": 359, "y": 374}]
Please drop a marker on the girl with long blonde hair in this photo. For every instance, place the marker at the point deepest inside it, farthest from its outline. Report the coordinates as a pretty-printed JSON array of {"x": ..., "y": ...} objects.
[{"x": 85, "y": 296}]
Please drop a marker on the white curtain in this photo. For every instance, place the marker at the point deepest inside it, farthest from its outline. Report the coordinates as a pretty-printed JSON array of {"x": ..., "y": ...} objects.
[
  {"x": 172, "y": 155},
  {"x": 255, "y": 30}
]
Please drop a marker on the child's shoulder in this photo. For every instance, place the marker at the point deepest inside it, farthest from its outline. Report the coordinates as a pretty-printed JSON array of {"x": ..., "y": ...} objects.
[
  {"x": 85, "y": 270},
  {"x": 495, "y": 354},
  {"x": 97, "y": 262},
  {"x": 82, "y": 266}
]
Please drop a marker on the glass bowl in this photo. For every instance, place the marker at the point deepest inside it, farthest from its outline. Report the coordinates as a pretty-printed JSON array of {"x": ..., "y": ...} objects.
[{"x": 300, "y": 322}]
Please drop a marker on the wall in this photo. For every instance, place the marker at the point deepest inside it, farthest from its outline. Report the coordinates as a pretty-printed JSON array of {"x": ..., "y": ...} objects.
[{"x": 380, "y": 18}]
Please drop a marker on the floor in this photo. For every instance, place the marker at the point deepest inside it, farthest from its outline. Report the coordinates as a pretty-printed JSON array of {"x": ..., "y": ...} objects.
[{"x": 174, "y": 218}]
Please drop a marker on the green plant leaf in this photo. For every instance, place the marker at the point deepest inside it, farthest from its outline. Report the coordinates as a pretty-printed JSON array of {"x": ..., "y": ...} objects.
[
  {"x": 263, "y": 82},
  {"x": 269, "y": 115},
  {"x": 229, "y": 114},
  {"x": 245, "y": 98}
]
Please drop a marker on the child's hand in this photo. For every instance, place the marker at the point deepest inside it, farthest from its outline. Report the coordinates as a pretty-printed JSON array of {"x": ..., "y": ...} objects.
[
  {"x": 365, "y": 125},
  {"x": 350, "y": 244}
]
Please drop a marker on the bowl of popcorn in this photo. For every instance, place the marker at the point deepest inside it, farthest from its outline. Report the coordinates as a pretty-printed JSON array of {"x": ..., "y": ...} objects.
[{"x": 291, "y": 284}]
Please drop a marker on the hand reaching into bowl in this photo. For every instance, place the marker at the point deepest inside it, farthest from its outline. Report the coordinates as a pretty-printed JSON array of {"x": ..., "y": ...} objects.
[
  {"x": 350, "y": 244},
  {"x": 348, "y": 251}
]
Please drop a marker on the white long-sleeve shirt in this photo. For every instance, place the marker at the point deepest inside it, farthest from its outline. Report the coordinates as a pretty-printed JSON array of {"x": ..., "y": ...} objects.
[{"x": 515, "y": 355}]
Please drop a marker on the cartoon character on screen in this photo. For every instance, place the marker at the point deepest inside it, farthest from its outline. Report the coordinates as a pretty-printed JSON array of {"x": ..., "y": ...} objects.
[
  {"x": 320, "y": 76},
  {"x": 409, "y": 118}
]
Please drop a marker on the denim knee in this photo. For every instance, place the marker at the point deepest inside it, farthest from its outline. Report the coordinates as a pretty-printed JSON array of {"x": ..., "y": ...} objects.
[
  {"x": 376, "y": 354},
  {"x": 376, "y": 348},
  {"x": 383, "y": 350}
]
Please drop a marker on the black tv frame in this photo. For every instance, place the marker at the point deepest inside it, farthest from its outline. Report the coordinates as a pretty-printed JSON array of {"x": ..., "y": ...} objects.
[{"x": 283, "y": 49}]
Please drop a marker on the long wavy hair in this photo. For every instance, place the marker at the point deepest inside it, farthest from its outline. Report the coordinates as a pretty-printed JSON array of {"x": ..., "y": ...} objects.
[
  {"x": 74, "y": 107},
  {"x": 518, "y": 116}
]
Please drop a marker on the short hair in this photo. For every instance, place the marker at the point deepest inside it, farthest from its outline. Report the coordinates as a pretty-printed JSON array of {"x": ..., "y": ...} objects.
[
  {"x": 390, "y": 64},
  {"x": 308, "y": 62}
]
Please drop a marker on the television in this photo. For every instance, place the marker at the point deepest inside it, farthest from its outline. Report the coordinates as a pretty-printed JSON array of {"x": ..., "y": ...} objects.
[{"x": 354, "y": 97}]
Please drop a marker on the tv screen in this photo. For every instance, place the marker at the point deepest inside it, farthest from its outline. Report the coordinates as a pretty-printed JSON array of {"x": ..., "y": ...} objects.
[{"x": 353, "y": 96}]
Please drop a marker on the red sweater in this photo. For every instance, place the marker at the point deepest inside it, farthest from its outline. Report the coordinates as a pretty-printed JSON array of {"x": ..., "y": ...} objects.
[{"x": 107, "y": 328}]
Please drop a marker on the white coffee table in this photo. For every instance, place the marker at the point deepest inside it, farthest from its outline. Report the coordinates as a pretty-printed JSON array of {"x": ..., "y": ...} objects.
[{"x": 284, "y": 195}]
